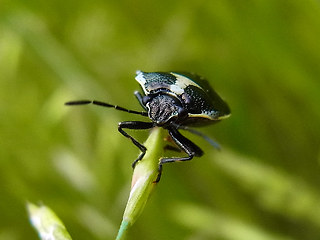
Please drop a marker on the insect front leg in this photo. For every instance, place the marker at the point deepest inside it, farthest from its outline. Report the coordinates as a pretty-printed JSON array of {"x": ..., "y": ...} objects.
[
  {"x": 135, "y": 125},
  {"x": 185, "y": 145}
]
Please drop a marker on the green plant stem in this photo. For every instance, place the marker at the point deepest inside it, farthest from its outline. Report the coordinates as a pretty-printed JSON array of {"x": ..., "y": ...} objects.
[{"x": 144, "y": 175}]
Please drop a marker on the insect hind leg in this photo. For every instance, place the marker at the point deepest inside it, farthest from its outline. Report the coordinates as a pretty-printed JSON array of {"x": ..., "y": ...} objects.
[{"x": 185, "y": 145}]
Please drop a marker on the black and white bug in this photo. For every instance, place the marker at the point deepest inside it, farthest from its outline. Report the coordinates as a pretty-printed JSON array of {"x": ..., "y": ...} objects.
[{"x": 172, "y": 100}]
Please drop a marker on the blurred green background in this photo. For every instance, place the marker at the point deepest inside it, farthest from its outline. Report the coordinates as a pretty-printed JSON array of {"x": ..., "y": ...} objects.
[{"x": 262, "y": 56}]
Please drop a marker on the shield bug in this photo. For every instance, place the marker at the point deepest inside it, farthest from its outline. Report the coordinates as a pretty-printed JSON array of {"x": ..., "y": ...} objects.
[{"x": 173, "y": 101}]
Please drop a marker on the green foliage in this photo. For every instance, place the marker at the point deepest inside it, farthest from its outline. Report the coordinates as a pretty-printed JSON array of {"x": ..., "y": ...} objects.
[
  {"x": 47, "y": 224},
  {"x": 262, "y": 56}
]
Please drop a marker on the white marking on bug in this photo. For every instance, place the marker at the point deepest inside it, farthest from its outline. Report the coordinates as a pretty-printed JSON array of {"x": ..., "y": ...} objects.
[
  {"x": 212, "y": 115},
  {"x": 141, "y": 80},
  {"x": 181, "y": 83},
  {"x": 140, "y": 77},
  {"x": 224, "y": 116},
  {"x": 176, "y": 89},
  {"x": 208, "y": 115}
]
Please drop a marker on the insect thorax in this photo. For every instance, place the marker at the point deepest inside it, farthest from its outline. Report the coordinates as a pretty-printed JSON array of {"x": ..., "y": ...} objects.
[{"x": 161, "y": 108}]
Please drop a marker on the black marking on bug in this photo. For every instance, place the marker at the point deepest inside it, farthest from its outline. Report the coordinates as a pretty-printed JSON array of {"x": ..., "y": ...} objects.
[{"x": 172, "y": 100}]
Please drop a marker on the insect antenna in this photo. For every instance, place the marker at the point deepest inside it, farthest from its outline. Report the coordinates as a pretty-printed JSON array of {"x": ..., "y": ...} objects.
[{"x": 103, "y": 104}]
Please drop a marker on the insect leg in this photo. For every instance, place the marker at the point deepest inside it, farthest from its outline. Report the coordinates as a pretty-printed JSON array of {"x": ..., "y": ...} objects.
[
  {"x": 184, "y": 144},
  {"x": 135, "y": 125}
]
